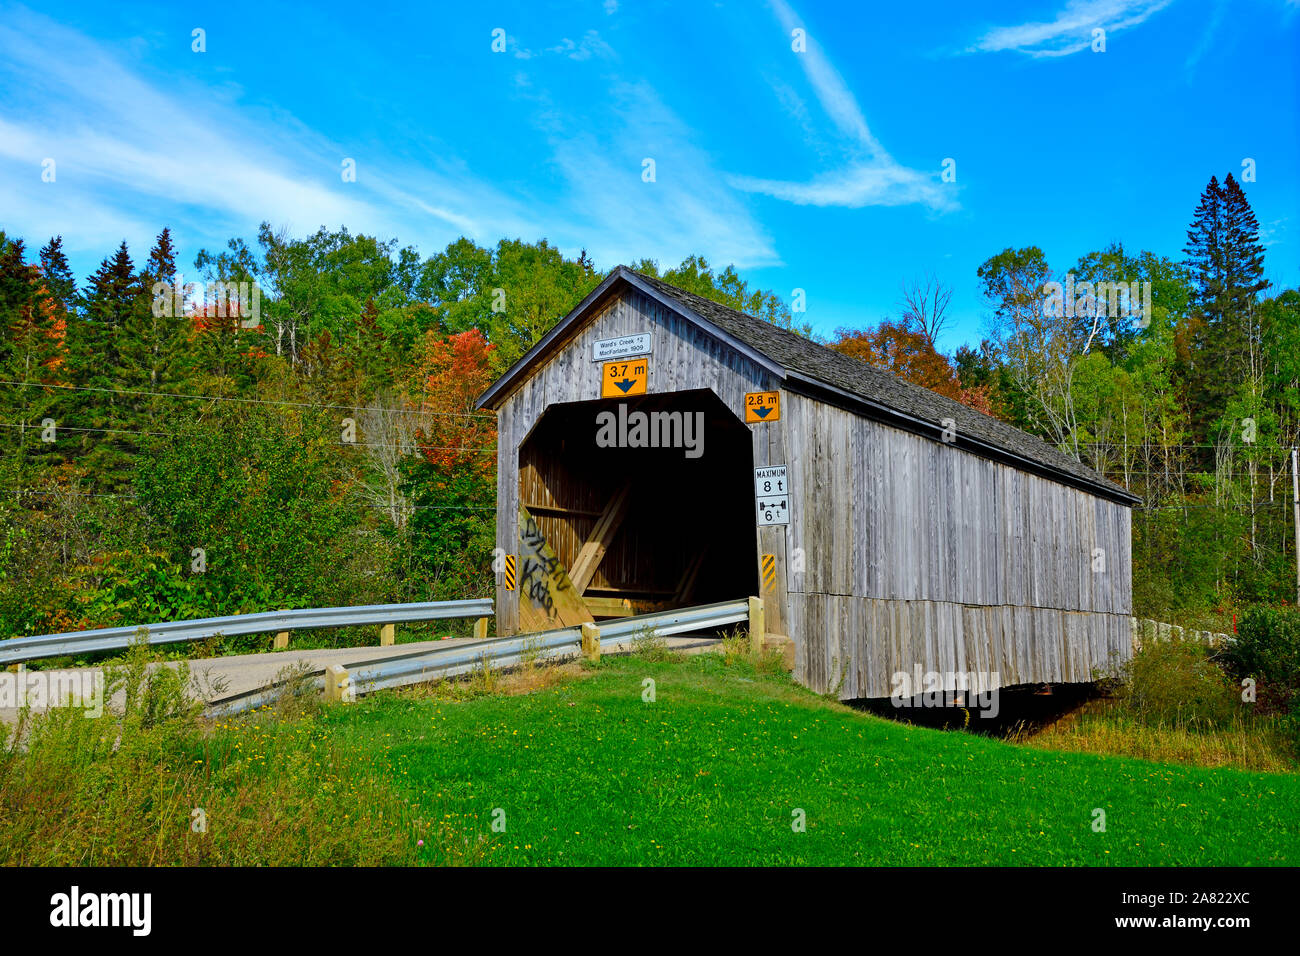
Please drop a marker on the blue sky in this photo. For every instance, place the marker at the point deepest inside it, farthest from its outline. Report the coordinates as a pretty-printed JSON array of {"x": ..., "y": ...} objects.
[{"x": 817, "y": 170}]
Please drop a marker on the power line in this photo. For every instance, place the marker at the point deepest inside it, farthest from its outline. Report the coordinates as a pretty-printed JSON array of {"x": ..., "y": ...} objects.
[
  {"x": 20, "y": 492},
  {"x": 1202, "y": 504},
  {"x": 412, "y": 448},
  {"x": 71, "y": 428},
  {"x": 1141, "y": 448},
  {"x": 252, "y": 401}
]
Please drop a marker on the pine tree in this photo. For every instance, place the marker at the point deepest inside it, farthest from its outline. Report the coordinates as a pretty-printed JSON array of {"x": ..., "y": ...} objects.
[
  {"x": 105, "y": 441},
  {"x": 376, "y": 372},
  {"x": 60, "y": 282},
  {"x": 161, "y": 264},
  {"x": 33, "y": 358},
  {"x": 16, "y": 288},
  {"x": 1204, "y": 251},
  {"x": 1226, "y": 262},
  {"x": 1241, "y": 232},
  {"x": 151, "y": 337},
  {"x": 113, "y": 289}
]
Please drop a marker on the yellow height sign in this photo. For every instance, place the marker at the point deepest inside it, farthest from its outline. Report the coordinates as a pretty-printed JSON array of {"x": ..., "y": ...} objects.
[
  {"x": 628, "y": 377},
  {"x": 762, "y": 407}
]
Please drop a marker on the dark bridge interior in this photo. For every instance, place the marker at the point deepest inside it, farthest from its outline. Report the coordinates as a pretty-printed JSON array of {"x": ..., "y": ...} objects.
[{"x": 645, "y": 528}]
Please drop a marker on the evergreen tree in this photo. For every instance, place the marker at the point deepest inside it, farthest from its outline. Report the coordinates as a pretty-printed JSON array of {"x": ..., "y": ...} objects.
[
  {"x": 161, "y": 264},
  {"x": 1204, "y": 251},
  {"x": 1244, "y": 251},
  {"x": 16, "y": 290},
  {"x": 102, "y": 415},
  {"x": 113, "y": 289},
  {"x": 60, "y": 282},
  {"x": 33, "y": 355},
  {"x": 1226, "y": 262},
  {"x": 376, "y": 371},
  {"x": 151, "y": 337}
]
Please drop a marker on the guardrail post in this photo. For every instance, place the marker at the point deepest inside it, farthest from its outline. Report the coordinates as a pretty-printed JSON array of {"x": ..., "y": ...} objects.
[
  {"x": 387, "y": 634},
  {"x": 757, "y": 625},
  {"x": 282, "y": 638},
  {"x": 338, "y": 684},
  {"x": 480, "y": 629},
  {"x": 590, "y": 641}
]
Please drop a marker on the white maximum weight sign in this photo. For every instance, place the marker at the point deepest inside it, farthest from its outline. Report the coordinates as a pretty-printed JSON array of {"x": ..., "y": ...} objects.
[{"x": 772, "y": 493}]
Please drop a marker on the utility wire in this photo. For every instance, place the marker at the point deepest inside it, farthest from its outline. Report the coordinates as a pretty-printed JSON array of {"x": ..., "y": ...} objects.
[
  {"x": 412, "y": 447},
  {"x": 251, "y": 401},
  {"x": 20, "y": 492}
]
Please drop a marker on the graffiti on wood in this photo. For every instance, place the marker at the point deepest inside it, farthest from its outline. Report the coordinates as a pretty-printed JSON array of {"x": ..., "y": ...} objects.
[{"x": 547, "y": 598}]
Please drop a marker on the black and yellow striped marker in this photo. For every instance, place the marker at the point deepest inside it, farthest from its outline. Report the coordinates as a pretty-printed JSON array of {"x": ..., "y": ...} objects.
[
  {"x": 769, "y": 572},
  {"x": 510, "y": 572}
]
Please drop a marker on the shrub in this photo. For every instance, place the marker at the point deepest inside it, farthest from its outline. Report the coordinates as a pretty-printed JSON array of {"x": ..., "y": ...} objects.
[
  {"x": 649, "y": 645},
  {"x": 1179, "y": 684},
  {"x": 152, "y": 784},
  {"x": 1267, "y": 648}
]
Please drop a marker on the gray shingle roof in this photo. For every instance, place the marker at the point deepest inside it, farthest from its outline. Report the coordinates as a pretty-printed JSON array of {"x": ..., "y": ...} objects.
[
  {"x": 878, "y": 387},
  {"x": 833, "y": 377}
]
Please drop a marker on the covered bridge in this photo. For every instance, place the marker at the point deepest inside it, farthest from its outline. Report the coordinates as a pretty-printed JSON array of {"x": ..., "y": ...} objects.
[{"x": 657, "y": 449}]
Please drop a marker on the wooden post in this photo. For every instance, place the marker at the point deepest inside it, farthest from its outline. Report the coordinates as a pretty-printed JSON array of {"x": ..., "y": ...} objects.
[
  {"x": 590, "y": 641},
  {"x": 756, "y": 625},
  {"x": 480, "y": 629},
  {"x": 281, "y": 639},
  {"x": 1295, "y": 507},
  {"x": 387, "y": 634},
  {"x": 338, "y": 685}
]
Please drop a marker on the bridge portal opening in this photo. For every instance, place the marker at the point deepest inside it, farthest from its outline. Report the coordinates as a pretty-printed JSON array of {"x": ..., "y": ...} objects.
[{"x": 646, "y": 502}]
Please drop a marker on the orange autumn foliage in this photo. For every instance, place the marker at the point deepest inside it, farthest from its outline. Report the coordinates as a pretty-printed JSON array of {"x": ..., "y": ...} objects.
[
  {"x": 451, "y": 374},
  {"x": 904, "y": 351},
  {"x": 44, "y": 316},
  {"x": 215, "y": 319}
]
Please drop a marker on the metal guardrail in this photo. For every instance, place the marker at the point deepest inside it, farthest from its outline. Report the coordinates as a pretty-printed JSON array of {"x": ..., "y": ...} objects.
[
  {"x": 502, "y": 652},
  {"x": 267, "y": 622}
]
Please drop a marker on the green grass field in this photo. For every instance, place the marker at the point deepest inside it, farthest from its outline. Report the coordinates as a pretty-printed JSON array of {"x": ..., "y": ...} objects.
[{"x": 716, "y": 769}]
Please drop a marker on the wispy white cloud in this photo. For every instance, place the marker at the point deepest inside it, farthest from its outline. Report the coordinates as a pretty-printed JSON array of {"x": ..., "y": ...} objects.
[
  {"x": 590, "y": 45},
  {"x": 872, "y": 177},
  {"x": 1208, "y": 36},
  {"x": 127, "y": 153},
  {"x": 1271, "y": 232},
  {"x": 685, "y": 209},
  {"x": 1071, "y": 30},
  {"x": 133, "y": 155}
]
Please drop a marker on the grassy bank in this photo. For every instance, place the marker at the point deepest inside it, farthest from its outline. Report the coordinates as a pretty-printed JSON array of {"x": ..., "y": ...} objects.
[
  {"x": 718, "y": 767},
  {"x": 649, "y": 759}
]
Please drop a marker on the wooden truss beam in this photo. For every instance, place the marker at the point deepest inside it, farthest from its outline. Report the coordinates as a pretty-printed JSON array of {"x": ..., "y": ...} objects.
[{"x": 593, "y": 550}]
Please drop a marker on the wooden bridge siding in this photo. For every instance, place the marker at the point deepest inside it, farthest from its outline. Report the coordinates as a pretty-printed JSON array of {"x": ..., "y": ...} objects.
[
  {"x": 770, "y": 449},
  {"x": 682, "y": 357},
  {"x": 935, "y": 555}
]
